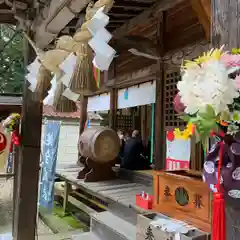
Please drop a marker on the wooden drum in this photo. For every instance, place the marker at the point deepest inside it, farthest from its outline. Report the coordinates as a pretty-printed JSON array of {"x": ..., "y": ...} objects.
[{"x": 99, "y": 143}]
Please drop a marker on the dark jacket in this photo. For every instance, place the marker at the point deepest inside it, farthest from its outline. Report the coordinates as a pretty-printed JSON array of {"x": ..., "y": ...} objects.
[{"x": 132, "y": 159}]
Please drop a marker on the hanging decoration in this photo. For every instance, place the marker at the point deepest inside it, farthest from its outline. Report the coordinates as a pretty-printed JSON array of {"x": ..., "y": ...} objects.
[
  {"x": 49, "y": 162},
  {"x": 178, "y": 152},
  {"x": 65, "y": 73},
  {"x": 11, "y": 126},
  {"x": 104, "y": 53},
  {"x": 209, "y": 99},
  {"x": 50, "y": 61},
  {"x": 5, "y": 140},
  {"x": 97, "y": 76}
]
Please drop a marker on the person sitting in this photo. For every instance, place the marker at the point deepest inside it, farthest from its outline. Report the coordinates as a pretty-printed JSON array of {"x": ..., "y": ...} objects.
[
  {"x": 133, "y": 150},
  {"x": 122, "y": 145}
]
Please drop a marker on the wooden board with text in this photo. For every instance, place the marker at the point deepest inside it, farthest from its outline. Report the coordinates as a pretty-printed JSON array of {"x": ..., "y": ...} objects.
[{"x": 182, "y": 195}]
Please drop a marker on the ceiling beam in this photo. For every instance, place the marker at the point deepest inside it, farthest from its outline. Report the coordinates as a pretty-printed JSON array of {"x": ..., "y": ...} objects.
[
  {"x": 6, "y": 11},
  {"x": 143, "y": 17},
  {"x": 127, "y": 7},
  {"x": 203, "y": 11},
  {"x": 121, "y": 14},
  {"x": 138, "y": 1},
  {"x": 117, "y": 20},
  {"x": 54, "y": 18}
]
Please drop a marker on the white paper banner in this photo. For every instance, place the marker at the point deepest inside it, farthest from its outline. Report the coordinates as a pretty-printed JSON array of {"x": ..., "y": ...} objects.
[
  {"x": 70, "y": 95},
  {"x": 104, "y": 34},
  {"x": 101, "y": 47},
  {"x": 138, "y": 95},
  {"x": 99, "y": 20},
  {"x": 69, "y": 64},
  {"x": 51, "y": 93},
  {"x": 33, "y": 68},
  {"x": 101, "y": 62},
  {"x": 99, "y": 103}
]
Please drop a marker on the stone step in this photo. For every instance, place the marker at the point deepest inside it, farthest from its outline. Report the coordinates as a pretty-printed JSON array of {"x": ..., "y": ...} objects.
[{"x": 107, "y": 226}]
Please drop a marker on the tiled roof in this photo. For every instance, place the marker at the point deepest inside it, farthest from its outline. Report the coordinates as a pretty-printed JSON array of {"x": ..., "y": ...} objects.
[
  {"x": 11, "y": 100},
  {"x": 49, "y": 112}
]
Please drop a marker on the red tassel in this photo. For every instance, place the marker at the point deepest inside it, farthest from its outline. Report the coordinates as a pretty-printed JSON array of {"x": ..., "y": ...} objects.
[{"x": 218, "y": 216}]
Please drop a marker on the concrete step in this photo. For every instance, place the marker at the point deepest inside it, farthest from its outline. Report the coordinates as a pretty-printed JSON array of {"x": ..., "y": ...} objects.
[
  {"x": 70, "y": 236},
  {"x": 85, "y": 236},
  {"x": 107, "y": 226}
]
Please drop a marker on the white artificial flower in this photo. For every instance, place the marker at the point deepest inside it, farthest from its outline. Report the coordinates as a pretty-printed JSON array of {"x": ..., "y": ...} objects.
[{"x": 207, "y": 84}]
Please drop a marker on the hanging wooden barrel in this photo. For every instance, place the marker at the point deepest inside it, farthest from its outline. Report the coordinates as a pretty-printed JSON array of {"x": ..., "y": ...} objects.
[{"x": 101, "y": 144}]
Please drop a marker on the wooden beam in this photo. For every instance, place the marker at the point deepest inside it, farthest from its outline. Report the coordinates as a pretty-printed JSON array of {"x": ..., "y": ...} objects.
[
  {"x": 225, "y": 31},
  {"x": 225, "y": 23},
  {"x": 145, "y": 16},
  {"x": 202, "y": 9},
  {"x": 53, "y": 18},
  {"x": 129, "y": 79},
  {"x": 27, "y": 175}
]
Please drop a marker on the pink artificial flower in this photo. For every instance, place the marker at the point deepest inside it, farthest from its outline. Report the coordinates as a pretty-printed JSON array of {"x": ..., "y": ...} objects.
[
  {"x": 230, "y": 60},
  {"x": 237, "y": 80},
  {"x": 178, "y": 105}
]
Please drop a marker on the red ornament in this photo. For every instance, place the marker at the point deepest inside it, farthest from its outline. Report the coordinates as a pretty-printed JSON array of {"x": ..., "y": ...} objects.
[
  {"x": 3, "y": 142},
  {"x": 170, "y": 136},
  {"x": 16, "y": 139}
]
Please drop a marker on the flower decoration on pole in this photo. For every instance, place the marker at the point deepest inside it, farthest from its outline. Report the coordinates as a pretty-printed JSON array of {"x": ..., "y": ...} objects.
[
  {"x": 11, "y": 124},
  {"x": 208, "y": 94},
  {"x": 209, "y": 101}
]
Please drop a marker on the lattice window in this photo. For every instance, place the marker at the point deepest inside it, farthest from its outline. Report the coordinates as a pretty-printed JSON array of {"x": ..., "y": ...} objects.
[
  {"x": 124, "y": 122},
  {"x": 171, "y": 119}
]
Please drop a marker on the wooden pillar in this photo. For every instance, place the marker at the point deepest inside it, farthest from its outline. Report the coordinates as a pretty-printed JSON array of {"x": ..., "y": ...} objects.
[
  {"x": 225, "y": 30},
  {"x": 113, "y": 97},
  {"x": 113, "y": 109},
  {"x": 159, "y": 126},
  {"x": 27, "y": 174},
  {"x": 83, "y": 114}
]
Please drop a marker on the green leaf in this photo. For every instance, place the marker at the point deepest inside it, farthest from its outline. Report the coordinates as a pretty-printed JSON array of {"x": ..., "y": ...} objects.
[
  {"x": 194, "y": 120},
  {"x": 185, "y": 118},
  {"x": 209, "y": 113},
  {"x": 236, "y": 116},
  {"x": 225, "y": 116},
  {"x": 210, "y": 124}
]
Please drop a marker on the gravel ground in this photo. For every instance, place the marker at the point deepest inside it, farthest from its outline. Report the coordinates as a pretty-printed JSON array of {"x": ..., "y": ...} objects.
[
  {"x": 6, "y": 209},
  {"x": 6, "y": 206}
]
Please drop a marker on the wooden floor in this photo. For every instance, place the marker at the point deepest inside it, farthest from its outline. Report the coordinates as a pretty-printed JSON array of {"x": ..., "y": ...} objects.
[
  {"x": 118, "y": 190},
  {"x": 147, "y": 172}
]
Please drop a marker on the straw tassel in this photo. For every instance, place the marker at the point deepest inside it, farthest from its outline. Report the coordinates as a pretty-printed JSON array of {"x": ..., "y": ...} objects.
[
  {"x": 43, "y": 81},
  {"x": 61, "y": 103},
  {"x": 82, "y": 81}
]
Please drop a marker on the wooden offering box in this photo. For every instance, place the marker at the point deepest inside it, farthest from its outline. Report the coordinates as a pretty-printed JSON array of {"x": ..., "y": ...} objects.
[{"x": 184, "y": 196}]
